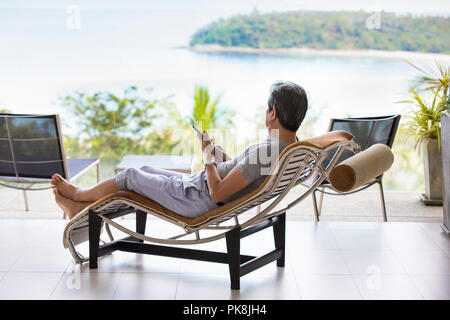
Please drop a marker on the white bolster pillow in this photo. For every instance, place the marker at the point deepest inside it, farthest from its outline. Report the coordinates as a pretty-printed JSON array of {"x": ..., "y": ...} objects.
[{"x": 361, "y": 168}]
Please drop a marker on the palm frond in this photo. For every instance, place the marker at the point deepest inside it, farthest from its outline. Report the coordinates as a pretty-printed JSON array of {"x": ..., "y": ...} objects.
[{"x": 207, "y": 111}]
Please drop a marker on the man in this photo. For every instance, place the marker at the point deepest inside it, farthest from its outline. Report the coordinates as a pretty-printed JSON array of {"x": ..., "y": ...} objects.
[{"x": 194, "y": 194}]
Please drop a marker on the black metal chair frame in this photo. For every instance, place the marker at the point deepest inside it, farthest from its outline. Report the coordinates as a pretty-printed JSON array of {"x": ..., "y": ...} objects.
[
  {"x": 239, "y": 265},
  {"x": 378, "y": 180}
]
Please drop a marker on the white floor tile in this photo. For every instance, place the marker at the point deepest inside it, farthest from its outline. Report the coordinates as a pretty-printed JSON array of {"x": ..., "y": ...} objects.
[
  {"x": 28, "y": 285},
  {"x": 19, "y": 233},
  {"x": 42, "y": 260},
  {"x": 8, "y": 257},
  {"x": 387, "y": 287},
  {"x": 86, "y": 286},
  {"x": 274, "y": 286},
  {"x": 370, "y": 261},
  {"x": 360, "y": 239},
  {"x": 146, "y": 286},
  {"x": 408, "y": 236},
  {"x": 253, "y": 286},
  {"x": 204, "y": 286},
  {"x": 50, "y": 235},
  {"x": 327, "y": 287},
  {"x": 424, "y": 262},
  {"x": 319, "y": 262},
  {"x": 360, "y": 225},
  {"x": 313, "y": 236},
  {"x": 433, "y": 287},
  {"x": 435, "y": 232},
  {"x": 429, "y": 227}
]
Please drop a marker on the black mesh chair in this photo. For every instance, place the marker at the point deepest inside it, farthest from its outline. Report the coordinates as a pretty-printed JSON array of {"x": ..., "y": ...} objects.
[
  {"x": 367, "y": 132},
  {"x": 32, "y": 150}
]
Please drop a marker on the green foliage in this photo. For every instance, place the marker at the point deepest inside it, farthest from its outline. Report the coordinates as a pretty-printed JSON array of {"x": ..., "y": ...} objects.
[
  {"x": 110, "y": 126},
  {"x": 424, "y": 123},
  {"x": 433, "y": 81},
  {"x": 328, "y": 30},
  {"x": 208, "y": 113}
]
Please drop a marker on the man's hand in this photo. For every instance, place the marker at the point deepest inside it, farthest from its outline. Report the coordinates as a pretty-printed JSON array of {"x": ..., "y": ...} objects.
[
  {"x": 210, "y": 150},
  {"x": 205, "y": 141},
  {"x": 207, "y": 148}
]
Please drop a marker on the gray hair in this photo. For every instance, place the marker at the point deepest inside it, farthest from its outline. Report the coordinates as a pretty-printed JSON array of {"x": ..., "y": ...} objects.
[{"x": 291, "y": 103}]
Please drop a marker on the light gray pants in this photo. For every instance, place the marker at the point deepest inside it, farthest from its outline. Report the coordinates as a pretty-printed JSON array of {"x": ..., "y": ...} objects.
[{"x": 185, "y": 194}]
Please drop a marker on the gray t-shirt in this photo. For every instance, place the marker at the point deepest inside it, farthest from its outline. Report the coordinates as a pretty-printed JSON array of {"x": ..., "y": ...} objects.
[{"x": 254, "y": 163}]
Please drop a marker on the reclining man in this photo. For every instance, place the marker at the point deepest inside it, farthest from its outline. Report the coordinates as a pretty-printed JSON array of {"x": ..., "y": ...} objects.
[{"x": 192, "y": 195}]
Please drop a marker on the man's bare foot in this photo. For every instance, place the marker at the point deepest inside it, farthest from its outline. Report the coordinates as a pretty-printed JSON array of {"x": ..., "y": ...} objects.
[
  {"x": 64, "y": 187},
  {"x": 70, "y": 207}
]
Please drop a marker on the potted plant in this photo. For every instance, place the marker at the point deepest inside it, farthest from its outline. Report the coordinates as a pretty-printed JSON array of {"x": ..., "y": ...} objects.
[{"x": 430, "y": 97}]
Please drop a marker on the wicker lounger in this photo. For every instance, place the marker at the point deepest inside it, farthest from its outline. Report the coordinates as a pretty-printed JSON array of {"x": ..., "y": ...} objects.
[{"x": 299, "y": 162}]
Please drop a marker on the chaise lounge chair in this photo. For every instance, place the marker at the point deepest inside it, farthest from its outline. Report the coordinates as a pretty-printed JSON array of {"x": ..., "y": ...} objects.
[{"x": 299, "y": 162}]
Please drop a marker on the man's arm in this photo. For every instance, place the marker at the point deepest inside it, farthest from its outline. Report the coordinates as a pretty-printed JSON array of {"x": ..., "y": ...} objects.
[{"x": 221, "y": 189}]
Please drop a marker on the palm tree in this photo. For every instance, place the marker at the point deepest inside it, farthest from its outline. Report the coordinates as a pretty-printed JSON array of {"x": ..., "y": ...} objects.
[{"x": 207, "y": 111}]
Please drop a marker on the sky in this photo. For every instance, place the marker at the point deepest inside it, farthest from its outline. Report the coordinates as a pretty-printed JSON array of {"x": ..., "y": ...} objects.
[{"x": 225, "y": 8}]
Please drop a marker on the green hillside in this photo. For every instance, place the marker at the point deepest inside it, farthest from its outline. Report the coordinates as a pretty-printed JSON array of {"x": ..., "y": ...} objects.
[{"x": 329, "y": 30}]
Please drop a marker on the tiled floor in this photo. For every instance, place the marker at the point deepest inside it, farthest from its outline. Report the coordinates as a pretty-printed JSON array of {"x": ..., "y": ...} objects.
[{"x": 325, "y": 260}]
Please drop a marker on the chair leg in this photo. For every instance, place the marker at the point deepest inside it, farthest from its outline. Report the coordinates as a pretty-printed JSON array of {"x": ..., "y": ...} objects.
[
  {"x": 233, "y": 250},
  {"x": 25, "y": 198},
  {"x": 316, "y": 210},
  {"x": 383, "y": 203},
  {"x": 95, "y": 225},
  {"x": 279, "y": 234},
  {"x": 141, "y": 221},
  {"x": 321, "y": 201}
]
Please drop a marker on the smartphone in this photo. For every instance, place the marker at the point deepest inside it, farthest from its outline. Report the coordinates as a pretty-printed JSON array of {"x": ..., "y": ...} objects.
[
  {"x": 205, "y": 136},
  {"x": 200, "y": 135}
]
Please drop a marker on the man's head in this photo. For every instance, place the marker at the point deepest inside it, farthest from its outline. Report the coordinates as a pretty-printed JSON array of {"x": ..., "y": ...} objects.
[{"x": 287, "y": 106}]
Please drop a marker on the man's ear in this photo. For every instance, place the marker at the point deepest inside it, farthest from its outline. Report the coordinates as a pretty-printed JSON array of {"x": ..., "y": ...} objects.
[{"x": 273, "y": 114}]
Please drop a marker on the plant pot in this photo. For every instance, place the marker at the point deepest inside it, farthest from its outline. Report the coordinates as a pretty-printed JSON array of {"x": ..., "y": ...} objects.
[{"x": 432, "y": 164}]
